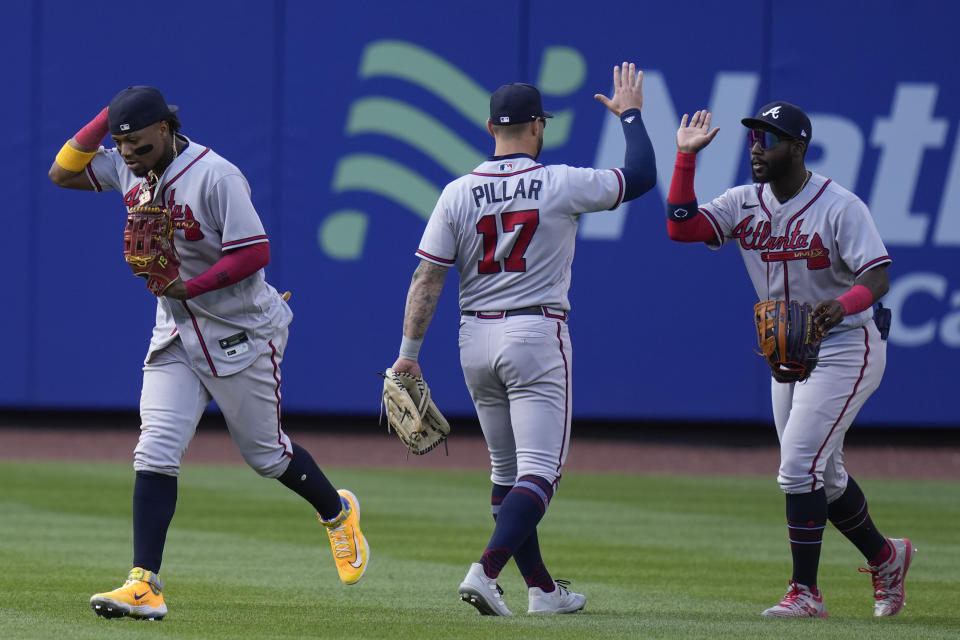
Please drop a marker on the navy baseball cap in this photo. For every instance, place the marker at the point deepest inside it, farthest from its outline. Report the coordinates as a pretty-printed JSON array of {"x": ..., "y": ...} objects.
[
  {"x": 516, "y": 103},
  {"x": 135, "y": 108},
  {"x": 784, "y": 118}
]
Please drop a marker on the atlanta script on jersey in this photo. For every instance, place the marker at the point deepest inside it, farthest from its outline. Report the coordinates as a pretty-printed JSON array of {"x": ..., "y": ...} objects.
[
  {"x": 810, "y": 248},
  {"x": 224, "y": 330}
]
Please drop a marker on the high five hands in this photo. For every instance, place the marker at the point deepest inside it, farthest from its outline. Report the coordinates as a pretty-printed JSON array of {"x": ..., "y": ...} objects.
[
  {"x": 696, "y": 135},
  {"x": 627, "y": 89}
]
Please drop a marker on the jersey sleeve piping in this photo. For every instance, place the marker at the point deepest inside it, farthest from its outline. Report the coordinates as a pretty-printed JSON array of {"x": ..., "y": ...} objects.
[
  {"x": 812, "y": 200},
  {"x": 873, "y": 263},
  {"x": 183, "y": 171},
  {"x": 435, "y": 259},
  {"x": 619, "y": 199},
  {"x": 93, "y": 178},
  {"x": 243, "y": 242}
]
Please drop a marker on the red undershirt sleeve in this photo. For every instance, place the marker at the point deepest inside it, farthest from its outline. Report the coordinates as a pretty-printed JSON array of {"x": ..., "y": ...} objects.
[
  {"x": 233, "y": 267},
  {"x": 684, "y": 222}
]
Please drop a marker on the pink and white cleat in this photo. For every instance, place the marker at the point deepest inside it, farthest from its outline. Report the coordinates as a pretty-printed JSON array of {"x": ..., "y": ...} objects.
[
  {"x": 800, "y": 602},
  {"x": 888, "y": 578}
]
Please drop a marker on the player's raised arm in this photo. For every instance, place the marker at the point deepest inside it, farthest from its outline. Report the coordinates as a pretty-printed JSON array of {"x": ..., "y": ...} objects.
[
  {"x": 640, "y": 167},
  {"x": 68, "y": 167},
  {"x": 684, "y": 222}
]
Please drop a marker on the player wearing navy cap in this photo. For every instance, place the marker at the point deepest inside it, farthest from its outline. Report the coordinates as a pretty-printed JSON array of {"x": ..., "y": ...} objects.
[
  {"x": 221, "y": 332},
  {"x": 509, "y": 227},
  {"x": 803, "y": 237}
]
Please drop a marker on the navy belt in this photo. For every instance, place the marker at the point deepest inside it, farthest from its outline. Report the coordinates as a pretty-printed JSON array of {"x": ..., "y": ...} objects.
[{"x": 538, "y": 310}]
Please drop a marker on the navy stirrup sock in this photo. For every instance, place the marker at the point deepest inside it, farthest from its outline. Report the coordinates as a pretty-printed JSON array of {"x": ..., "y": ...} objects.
[
  {"x": 521, "y": 510},
  {"x": 849, "y": 514},
  {"x": 154, "y": 501},
  {"x": 806, "y": 520},
  {"x": 527, "y": 555},
  {"x": 304, "y": 477}
]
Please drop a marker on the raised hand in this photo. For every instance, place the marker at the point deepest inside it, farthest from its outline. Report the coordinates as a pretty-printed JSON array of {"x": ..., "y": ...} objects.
[
  {"x": 627, "y": 89},
  {"x": 695, "y": 136}
]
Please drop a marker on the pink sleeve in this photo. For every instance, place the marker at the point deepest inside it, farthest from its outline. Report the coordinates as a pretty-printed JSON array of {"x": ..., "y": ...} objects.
[
  {"x": 233, "y": 267},
  {"x": 696, "y": 229}
]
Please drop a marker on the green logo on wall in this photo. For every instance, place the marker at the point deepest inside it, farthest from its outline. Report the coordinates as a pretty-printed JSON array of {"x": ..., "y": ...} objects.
[{"x": 341, "y": 234}]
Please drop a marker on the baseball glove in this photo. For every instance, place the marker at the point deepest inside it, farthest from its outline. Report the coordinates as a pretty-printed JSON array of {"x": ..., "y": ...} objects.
[
  {"x": 788, "y": 338},
  {"x": 148, "y": 246},
  {"x": 411, "y": 412}
]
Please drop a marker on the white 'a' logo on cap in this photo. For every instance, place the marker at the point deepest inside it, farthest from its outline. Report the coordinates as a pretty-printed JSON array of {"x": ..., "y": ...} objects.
[{"x": 774, "y": 112}]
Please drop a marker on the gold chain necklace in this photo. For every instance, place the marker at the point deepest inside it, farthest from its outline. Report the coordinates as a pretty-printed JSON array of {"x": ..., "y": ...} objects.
[
  {"x": 797, "y": 192},
  {"x": 151, "y": 179}
]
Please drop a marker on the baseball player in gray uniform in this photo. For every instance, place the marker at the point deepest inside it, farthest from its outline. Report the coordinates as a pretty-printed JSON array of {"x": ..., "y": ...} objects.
[
  {"x": 509, "y": 226},
  {"x": 803, "y": 237},
  {"x": 220, "y": 333}
]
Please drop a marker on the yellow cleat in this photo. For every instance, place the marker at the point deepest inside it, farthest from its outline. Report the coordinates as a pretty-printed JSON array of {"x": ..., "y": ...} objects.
[
  {"x": 141, "y": 596},
  {"x": 350, "y": 550}
]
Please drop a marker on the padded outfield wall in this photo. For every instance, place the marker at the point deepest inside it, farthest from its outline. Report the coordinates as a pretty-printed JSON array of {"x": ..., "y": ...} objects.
[{"x": 348, "y": 119}]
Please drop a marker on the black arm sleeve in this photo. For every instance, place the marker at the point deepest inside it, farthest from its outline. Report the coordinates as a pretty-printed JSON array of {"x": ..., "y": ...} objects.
[{"x": 640, "y": 165}]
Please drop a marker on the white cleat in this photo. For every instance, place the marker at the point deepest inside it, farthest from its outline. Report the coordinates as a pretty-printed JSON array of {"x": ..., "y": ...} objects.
[
  {"x": 888, "y": 578},
  {"x": 483, "y": 592},
  {"x": 800, "y": 602},
  {"x": 560, "y": 600}
]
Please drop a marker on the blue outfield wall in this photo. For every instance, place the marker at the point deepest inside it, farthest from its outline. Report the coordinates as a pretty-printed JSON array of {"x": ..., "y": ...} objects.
[{"x": 348, "y": 120}]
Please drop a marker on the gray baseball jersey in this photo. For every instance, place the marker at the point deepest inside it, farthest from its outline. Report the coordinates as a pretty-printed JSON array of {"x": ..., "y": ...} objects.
[
  {"x": 810, "y": 248},
  {"x": 510, "y": 227},
  {"x": 223, "y": 331}
]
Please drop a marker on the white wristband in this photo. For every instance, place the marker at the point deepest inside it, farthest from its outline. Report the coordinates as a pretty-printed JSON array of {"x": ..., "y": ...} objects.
[{"x": 410, "y": 348}]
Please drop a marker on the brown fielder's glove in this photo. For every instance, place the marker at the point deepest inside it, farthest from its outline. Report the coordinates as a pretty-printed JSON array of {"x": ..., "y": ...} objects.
[
  {"x": 411, "y": 412},
  {"x": 148, "y": 246},
  {"x": 788, "y": 338}
]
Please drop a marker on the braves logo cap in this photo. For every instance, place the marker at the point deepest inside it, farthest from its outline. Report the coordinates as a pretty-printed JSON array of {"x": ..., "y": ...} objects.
[
  {"x": 516, "y": 103},
  {"x": 135, "y": 108},
  {"x": 782, "y": 117}
]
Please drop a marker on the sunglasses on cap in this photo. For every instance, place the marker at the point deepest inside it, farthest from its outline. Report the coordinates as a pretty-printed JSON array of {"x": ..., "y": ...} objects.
[{"x": 766, "y": 139}]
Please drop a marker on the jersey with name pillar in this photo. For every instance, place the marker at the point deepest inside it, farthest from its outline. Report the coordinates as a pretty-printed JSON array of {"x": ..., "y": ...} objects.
[
  {"x": 810, "y": 248},
  {"x": 519, "y": 188},
  {"x": 510, "y": 226}
]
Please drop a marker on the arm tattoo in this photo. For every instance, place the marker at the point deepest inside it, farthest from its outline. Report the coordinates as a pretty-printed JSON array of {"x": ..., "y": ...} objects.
[{"x": 422, "y": 298}]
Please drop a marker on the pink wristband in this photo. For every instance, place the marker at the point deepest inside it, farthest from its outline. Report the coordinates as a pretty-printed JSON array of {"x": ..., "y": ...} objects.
[
  {"x": 92, "y": 133},
  {"x": 856, "y": 300}
]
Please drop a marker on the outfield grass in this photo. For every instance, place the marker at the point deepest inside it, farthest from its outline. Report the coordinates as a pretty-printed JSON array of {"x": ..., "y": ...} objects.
[{"x": 657, "y": 556}]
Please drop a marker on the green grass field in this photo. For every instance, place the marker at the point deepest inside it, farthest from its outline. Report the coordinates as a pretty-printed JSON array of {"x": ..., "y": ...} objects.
[{"x": 657, "y": 556}]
